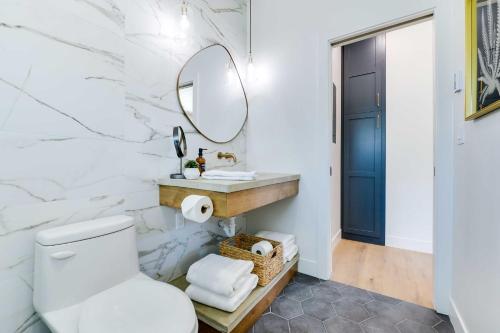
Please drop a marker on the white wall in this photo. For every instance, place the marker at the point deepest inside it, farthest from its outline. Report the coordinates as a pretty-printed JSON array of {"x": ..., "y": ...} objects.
[
  {"x": 410, "y": 137},
  {"x": 87, "y": 106},
  {"x": 476, "y": 246},
  {"x": 289, "y": 130},
  {"x": 290, "y": 116}
]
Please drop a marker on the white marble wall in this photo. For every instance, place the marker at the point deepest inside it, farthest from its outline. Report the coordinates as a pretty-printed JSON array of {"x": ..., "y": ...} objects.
[{"x": 87, "y": 106}]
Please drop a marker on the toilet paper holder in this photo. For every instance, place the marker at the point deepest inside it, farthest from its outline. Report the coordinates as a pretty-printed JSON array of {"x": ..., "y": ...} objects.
[{"x": 197, "y": 208}]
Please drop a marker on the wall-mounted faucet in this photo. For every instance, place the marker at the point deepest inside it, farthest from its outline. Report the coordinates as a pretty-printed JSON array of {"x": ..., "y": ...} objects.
[{"x": 227, "y": 156}]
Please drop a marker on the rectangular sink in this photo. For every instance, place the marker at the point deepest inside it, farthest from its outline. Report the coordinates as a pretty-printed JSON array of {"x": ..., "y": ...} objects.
[{"x": 229, "y": 186}]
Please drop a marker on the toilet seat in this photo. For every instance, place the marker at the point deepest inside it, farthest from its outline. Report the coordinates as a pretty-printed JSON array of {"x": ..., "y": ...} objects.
[{"x": 138, "y": 305}]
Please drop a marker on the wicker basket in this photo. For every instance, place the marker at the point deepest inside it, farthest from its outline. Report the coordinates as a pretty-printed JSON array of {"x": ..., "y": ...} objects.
[{"x": 266, "y": 267}]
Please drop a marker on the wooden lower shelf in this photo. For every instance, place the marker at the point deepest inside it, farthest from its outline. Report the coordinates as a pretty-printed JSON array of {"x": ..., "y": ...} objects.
[{"x": 240, "y": 321}]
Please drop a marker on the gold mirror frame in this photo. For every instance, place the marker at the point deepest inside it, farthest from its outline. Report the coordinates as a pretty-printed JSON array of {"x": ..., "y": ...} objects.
[
  {"x": 240, "y": 81},
  {"x": 471, "y": 75}
]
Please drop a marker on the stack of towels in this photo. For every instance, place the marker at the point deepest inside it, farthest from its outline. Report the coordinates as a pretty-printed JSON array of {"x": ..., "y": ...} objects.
[
  {"x": 221, "y": 282},
  {"x": 290, "y": 247},
  {"x": 229, "y": 175}
]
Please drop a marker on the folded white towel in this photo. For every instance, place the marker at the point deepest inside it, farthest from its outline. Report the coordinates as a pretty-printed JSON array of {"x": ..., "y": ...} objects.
[
  {"x": 239, "y": 283},
  {"x": 229, "y": 304},
  {"x": 227, "y": 178},
  {"x": 230, "y": 174},
  {"x": 290, "y": 253},
  {"x": 286, "y": 239},
  {"x": 218, "y": 274}
]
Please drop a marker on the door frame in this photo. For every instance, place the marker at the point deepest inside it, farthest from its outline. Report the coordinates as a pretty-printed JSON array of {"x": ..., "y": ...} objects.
[
  {"x": 443, "y": 150},
  {"x": 383, "y": 92}
]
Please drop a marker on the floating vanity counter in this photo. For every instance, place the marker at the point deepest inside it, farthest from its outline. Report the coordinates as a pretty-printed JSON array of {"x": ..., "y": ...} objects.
[{"x": 231, "y": 198}]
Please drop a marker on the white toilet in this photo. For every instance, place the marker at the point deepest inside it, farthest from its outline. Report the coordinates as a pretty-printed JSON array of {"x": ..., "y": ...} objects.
[{"x": 87, "y": 280}]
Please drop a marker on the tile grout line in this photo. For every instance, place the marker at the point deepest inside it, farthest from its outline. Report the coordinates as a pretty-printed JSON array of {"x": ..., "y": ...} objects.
[{"x": 439, "y": 322}]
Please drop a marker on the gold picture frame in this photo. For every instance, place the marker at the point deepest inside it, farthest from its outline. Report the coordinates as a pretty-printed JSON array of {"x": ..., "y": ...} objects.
[{"x": 473, "y": 109}]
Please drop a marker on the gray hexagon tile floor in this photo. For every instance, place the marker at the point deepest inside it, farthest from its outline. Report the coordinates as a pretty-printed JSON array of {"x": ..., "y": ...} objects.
[{"x": 310, "y": 305}]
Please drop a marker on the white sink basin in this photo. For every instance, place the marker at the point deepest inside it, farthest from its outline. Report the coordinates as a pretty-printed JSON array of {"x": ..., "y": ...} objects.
[{"x": 228, "y": 186}]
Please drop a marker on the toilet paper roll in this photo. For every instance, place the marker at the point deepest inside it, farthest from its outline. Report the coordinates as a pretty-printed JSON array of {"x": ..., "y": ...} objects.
[
  {"x": 262, "y": 248},
  {"x": 197, "y": 208}
]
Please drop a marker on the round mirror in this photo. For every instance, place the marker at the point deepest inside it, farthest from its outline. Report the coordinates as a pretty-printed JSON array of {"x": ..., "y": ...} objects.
[{"x": 211, "y": 94}]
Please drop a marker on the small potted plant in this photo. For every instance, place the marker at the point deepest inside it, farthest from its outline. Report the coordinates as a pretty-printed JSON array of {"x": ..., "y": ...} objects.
[{"x": 191, "y": 170}]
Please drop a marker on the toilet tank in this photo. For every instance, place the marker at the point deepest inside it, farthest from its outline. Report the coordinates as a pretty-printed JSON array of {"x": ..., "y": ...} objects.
[{"x": 76, "y": 261}]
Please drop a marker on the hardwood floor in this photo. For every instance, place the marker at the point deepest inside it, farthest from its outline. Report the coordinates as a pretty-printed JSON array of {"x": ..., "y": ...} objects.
[{"x": 402, "y": 274}]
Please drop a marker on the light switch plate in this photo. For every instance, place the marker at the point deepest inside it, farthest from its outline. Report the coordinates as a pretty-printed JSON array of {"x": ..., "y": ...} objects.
[
  {"x": 458, "y": 82},
  {"x": 461, "y": 135},
  {"x": 179, "y": 220}
]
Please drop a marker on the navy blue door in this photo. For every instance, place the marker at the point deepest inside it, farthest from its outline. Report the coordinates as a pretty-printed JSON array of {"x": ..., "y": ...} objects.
[{"x": 363, "y": 141}]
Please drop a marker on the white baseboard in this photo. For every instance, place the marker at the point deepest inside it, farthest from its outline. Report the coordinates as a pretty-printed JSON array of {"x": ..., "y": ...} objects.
[
  {"x": 456, "y": 319},
  {"x": 336, "y": 239},
  {"x": 408, "y": 244},
  {"x": 308, "y": 267}
]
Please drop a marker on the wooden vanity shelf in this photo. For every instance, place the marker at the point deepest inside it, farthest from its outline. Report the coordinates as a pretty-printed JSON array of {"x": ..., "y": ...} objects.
[{"x": 231, "y": 198}]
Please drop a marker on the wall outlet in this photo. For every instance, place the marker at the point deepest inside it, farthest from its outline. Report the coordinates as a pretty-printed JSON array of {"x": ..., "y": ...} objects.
[{"x": 179, "y": 221}]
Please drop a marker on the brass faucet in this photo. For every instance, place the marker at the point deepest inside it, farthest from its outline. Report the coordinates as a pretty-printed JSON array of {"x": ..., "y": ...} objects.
[{"x": 227, "y": 156}]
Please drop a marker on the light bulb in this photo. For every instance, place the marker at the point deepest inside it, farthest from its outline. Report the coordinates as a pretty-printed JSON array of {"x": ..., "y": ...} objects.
[
  {"x": 184, "y": 22},
  {"x": 250, "y": 68},
  {"x": 184, "y": 16}
]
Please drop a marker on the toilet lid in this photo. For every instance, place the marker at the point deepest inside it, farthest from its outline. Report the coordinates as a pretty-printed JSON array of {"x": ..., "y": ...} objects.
[{"x": 138, "y": 306}]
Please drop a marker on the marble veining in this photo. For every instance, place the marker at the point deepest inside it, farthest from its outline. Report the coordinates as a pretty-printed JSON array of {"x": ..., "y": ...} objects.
[{"x": 87, "y": 106}]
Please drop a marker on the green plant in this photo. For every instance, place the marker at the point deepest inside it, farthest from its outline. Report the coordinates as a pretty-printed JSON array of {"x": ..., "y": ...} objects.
[{"x": 191, "y": 164}]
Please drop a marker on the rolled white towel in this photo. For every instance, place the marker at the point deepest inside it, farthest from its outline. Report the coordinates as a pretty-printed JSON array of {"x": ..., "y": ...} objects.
[
  {"x": 218, "y": 274},
  {"x": 226, "y": 173},
  {"x": 290, "y": 253},
  {"x": 229, "y": 304},
  {"x": 227, "y": 178},
  {"x": 286, "y": 239}
]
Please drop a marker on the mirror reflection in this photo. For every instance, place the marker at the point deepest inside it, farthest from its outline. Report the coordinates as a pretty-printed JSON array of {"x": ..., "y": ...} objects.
[{"x": 211, "y": 94}]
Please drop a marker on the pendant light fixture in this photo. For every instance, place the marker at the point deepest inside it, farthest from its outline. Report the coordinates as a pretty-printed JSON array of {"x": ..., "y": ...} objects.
[
  {"x": 184, "y": 16},
  {"x": 250, "y": 66}
]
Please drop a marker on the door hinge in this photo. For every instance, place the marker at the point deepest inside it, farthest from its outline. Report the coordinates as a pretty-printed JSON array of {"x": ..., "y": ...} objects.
[
  {"x": 378, "y": 100},
  {"x": 378, "y": 120},
  {"x": 331, "y": 171}
]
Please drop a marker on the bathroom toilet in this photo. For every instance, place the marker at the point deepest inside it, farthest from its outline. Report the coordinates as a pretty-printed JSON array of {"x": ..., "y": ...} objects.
[{"x": 87, "y": 280}]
